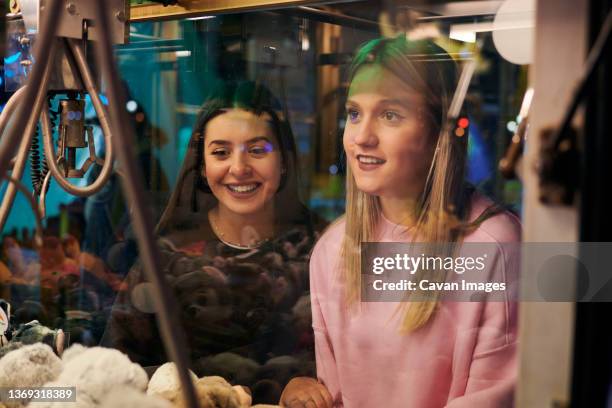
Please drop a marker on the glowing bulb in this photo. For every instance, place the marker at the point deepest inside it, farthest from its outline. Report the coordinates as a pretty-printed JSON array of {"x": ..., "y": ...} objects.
[{"x": 131, "y": 106}]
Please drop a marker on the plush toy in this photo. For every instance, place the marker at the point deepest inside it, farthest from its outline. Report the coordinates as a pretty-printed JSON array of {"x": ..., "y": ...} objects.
[
  {"x": 165, "y": 382},
  {"x": 5, "y": 318},
  {"x": 127, "y": 397},
  {"x": 165, "y": 379},
  {"x": 244, "y": 397},
  {"x": 12, "y": 345},
  {"x": 212, "y": 392},
  {"x": 29, "y": 366},
  {"x": 34, "y": 332},
  {"x": 95, "y": 372}
]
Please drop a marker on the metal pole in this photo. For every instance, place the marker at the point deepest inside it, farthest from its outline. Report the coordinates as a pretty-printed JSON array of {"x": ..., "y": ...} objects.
[{"x": 172, "y": 336}]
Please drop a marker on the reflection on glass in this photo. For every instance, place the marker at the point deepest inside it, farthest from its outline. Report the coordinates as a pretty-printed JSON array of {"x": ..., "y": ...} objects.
[
  {"x": 235, "y": 245},
  {"x": 228, "y": 109}
]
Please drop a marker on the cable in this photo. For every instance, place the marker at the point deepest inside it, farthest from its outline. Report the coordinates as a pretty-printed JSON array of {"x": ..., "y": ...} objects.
[{"x": 35, "y": 164}]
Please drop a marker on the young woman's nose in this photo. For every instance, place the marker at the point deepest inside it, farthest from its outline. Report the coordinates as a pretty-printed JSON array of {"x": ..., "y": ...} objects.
[
  {"x": 365, "y": 133},
  {"x": 240, "y": 166}
]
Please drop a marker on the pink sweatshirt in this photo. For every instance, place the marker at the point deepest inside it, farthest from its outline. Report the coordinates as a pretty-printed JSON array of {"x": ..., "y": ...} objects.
[{"x": 465, "y": 356}]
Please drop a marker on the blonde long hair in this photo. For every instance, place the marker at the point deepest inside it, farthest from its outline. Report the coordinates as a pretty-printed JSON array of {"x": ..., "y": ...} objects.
[{"x": 430, "y": 71}]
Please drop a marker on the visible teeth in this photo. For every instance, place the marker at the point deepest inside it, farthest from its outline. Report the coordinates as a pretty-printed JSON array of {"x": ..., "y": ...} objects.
[
  {"x": 243, "y": 189},
  {"x": 369, "y": 160}
]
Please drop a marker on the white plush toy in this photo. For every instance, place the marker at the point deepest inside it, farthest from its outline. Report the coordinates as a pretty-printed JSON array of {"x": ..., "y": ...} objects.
[
  {"x": 95, "y": 372},
  {"x": 165, "y": 379},
  {"x": 29, "y": 366}
]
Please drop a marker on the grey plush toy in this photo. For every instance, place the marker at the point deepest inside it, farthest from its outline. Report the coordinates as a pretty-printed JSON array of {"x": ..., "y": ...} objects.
[
  {"x": 29, "y": 366},
  {"x": 34, "y": 332}
]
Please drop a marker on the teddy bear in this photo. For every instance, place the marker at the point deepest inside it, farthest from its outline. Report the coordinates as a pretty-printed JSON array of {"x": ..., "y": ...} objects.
[{"x": 212, "y": 392}]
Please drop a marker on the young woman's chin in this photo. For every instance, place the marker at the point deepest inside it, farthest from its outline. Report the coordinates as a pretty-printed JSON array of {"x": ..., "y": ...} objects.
[
  {"x": 243, "y": 208},
  {"x": 369, "y": 185}
]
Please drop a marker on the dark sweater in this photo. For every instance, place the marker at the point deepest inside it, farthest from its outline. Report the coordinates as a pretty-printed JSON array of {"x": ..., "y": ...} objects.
[{"x": 246, "y": 313}]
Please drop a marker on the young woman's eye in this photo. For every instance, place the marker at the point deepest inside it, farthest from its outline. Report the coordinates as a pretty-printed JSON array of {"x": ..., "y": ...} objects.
[
  {"x": 220, "y": 153},
  {"x": 352, "y": 115},
  {"x": 258, "y": 150},
  {"x": 392, "y": 116}
]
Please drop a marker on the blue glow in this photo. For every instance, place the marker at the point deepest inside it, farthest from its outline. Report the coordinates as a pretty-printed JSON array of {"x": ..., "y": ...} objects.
[
  {"x": 304, "y": 146},
  {"x": 103, "y": 99},
  {"x": 184, "y": 134},
  {"x": 74, "y": 115},
  {"x": 480, "y": 162},
  {"x": 333, "y": 169},
  {"x": 9, "y": 73},
  {"x": 11, "y": 59},
  {"x": 131, "y": 106}
]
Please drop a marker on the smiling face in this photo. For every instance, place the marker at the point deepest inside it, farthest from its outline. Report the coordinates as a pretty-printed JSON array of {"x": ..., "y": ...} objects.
[
  {"x": 242, "y": 162},
  {"x": 387, "y": 137}
]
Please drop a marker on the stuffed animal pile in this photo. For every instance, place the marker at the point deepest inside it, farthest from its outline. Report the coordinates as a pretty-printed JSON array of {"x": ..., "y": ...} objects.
[{"x": 106, "y": 378}]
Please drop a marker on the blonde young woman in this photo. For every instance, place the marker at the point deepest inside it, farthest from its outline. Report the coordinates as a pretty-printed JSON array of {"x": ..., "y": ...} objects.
[{"x": 405, "y": 183}]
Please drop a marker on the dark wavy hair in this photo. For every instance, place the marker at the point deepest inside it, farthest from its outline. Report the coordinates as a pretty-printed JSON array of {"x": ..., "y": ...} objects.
[{"x": 252, "y": 97}]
